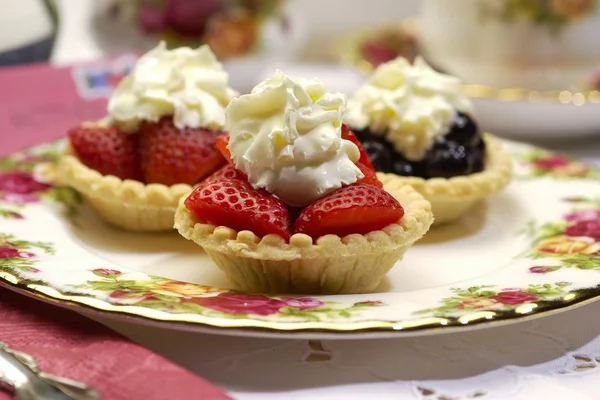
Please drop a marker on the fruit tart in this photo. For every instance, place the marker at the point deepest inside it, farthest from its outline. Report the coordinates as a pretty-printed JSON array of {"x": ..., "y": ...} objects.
[
  {"x": 299, "y": 208},
  {"x": 157, "y": 141},
  {"x": 418, "y": 128}
]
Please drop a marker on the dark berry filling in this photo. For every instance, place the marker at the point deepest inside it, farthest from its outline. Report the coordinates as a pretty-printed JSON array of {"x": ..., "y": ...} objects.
[{"x": 460, "y": 152}]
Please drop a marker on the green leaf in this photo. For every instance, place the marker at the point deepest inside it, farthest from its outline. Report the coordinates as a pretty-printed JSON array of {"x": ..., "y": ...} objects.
[
  {"x": 167, "y": 298},
  {"x": 345, "y": 314}
]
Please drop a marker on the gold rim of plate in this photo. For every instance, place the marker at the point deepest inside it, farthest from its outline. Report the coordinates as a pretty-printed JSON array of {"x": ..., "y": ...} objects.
[
  {"x": 348, "y": 51},
  {"x": 429, "y": 324}
]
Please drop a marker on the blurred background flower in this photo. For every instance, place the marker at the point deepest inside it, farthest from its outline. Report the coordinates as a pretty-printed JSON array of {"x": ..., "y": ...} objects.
[{"x": 230, "y": 27}]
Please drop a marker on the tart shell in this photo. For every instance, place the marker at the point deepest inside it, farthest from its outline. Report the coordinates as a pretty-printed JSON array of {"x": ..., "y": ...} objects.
[
  {"x": 332, "y": 265},
  {"x": 450, "y": 198},
  {"x": 127, "y": 204}
]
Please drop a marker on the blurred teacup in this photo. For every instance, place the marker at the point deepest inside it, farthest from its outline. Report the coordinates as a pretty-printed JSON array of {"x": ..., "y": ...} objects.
[{"x": 530, "y": 44}]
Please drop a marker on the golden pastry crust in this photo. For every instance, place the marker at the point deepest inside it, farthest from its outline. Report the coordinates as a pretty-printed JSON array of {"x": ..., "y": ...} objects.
[
  {"x": 450, "y": 198},
  {"x": 128, "y": 204},
  {"x": 350, "y": 264}
]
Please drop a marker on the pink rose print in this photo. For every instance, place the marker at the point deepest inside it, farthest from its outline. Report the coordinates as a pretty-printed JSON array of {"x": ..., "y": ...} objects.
[
  {"x": 303, "y": 303},
  {"x": 7, "y": 252},
  {"x": 542, "y": 270},
  {"x": 107, "y": 273},
  {"x": 237, "y": 303},
  {"x": 18, "y": 199},
  {"x": 20, "y": 183},
  {"x": 513, "y": 297},
  {"x": 19, "y": 187},
  {"x": 551, "y": 162},
  {"x": 583, "y": 215},
  {"x": 587, "y": 228}
]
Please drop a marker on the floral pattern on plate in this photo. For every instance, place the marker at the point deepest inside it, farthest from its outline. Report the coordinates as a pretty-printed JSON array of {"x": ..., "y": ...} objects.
[
  {"x": 538, "y": 163},
  {"x": 29, "y": 177},
  {"x": 182, "y": 297},
  {"x": 551, "y": 14},
  {"x": 557, "y": 265}
]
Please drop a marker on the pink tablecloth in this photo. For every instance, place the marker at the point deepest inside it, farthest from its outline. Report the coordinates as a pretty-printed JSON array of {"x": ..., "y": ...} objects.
[
  {"x": 67, "y": 344},
  {"x": 39, "y": 102}
]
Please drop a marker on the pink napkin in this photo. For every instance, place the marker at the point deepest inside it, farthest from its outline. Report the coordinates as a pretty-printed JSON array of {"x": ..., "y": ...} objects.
[
  {"x": 69, "y": 345},
  {"x": 39, "y": 102}
]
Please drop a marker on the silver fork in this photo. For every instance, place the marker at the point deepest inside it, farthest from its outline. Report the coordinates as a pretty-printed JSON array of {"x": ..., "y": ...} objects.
[{"x": 20, "y": 375}]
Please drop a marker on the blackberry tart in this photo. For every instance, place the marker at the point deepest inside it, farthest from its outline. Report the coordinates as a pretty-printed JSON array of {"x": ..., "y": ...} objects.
[{"x": 417, "y": 127}]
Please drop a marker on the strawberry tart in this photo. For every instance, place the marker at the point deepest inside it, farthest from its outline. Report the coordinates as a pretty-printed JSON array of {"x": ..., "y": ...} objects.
[
  {"x": 157, "y": 141},
  {"x": 418, "y": 129},
  {"x": 299, "y": 208}
]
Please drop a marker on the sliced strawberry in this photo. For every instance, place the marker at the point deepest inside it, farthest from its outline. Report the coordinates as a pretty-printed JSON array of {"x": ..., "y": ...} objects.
[
  {"x": 229, "y": 172},
  {"x": 370, "y": 176},
  {"x": 347, "y": 134},
  {"x": 106, "y": 150},
  {"x": 358, "y": 208},
  {"x": 237, "y": 205},
  {"x": 170, "y": 155},
  {"x": 222, "y": 142}
]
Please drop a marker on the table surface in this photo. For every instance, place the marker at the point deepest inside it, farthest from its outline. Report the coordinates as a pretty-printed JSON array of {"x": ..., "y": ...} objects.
[{"x": 556, "y": 357}]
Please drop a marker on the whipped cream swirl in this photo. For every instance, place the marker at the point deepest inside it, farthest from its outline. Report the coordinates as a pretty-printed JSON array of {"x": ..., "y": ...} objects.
[
  {"x": 411, "y": 104},
  {"x": 188, "y": 84},
  {"x": 286, "y": 137}
]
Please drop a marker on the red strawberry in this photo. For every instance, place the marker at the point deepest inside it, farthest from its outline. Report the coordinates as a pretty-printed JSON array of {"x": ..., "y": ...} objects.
[
  {"x": 364, "y": 158},
  {"x": 222, "y": 142},
  {"x": 370, "y": 177},
  {"x": 229, "y": 172},
  {"x": 357, "y": 208},
  {"x": 106, "y": 150},
  {"x": 170, "y": 155},
  {"x": 237, "y": 205}
]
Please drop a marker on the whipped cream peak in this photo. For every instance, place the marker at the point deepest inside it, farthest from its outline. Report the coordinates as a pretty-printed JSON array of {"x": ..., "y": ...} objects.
[
  {"x": 286, "y": 137},
  {"x": 188, "y": 84},
  {"x": 411, "y": 104}
]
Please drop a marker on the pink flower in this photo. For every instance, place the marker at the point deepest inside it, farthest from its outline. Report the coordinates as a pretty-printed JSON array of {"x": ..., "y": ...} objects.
[
  {"x": 513, "y": 297},
  {"x": 108, "y": 273},
  {"x": 543, "y": 270},
  {"x": 303, "y": 303},
  {"x": 8, "y": 252},
  {"x": 587, "y": 228},
  {"x": 17, "y": 198},
  {"x": 26, "y": 254},
  {"x": 18, "y": 182},
  {"x": 185, "y": 17},
  {"x": 540, "y": 270},
  {"x": 378, "y": 53},
  {"x": 238, "y": 303},
  {"x": 583, "y": 215},
  {"x": 551, "y": 162}
]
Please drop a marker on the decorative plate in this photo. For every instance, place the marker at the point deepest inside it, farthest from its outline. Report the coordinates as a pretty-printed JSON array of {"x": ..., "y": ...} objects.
[
  {"x": 512, "y": 112},
  {"x": 528, "y": 251}
]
